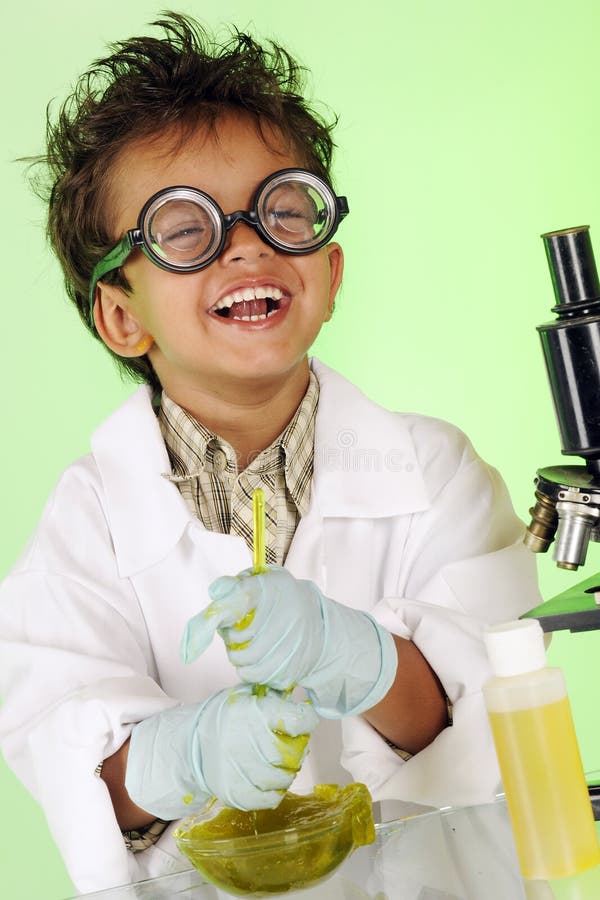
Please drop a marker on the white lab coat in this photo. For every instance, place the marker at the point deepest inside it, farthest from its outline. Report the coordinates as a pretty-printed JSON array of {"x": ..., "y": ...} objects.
[{"x": 405, "y": 520}]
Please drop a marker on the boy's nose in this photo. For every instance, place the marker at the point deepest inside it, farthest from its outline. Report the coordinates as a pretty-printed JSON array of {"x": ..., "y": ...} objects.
[{"x": 244, "y": 244}]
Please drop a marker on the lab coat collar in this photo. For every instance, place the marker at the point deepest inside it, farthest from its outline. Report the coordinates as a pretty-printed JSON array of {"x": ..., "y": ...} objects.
[
  {"x": 365, "y": 460},
  {"x": 146, "y": 513},
  {"x": 365, "y": 467}
]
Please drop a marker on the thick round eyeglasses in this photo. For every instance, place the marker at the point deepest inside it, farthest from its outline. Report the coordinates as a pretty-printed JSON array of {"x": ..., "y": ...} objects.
[{"x": 182, "y": 229}]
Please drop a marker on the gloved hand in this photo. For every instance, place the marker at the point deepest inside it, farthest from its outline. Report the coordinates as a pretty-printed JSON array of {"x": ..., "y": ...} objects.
[
  {"x": 242, "y": 747},
  {"x": 282, "y": 632}
]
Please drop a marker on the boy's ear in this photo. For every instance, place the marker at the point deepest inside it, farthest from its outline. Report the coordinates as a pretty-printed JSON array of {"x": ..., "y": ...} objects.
[
  {"x": 336, "y": 271},
  {"x": 118, "y": 328}
]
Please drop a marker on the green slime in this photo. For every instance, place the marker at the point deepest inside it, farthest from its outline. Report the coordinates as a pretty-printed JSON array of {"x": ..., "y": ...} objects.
[{"x": 240, "y": 850}]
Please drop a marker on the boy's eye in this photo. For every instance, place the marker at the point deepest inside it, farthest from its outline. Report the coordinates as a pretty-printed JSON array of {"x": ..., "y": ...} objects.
[
  {"x": 182, "y": 228},
  {"x": 292, "y": 210},
  {"x": 182, "y": 237},
  {"x": 289, "y": 220}
]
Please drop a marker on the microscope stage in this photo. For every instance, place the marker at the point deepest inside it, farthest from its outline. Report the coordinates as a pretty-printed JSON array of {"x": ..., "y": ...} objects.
[{"x": 574, "y": 609}]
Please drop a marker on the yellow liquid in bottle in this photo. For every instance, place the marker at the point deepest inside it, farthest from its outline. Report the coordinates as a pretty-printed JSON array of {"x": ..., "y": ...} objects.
[{"x": 551, "y": 815}]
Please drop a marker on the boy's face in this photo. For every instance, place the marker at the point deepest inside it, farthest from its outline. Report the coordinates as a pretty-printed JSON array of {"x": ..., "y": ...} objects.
[{"x": 195, "y": 348}]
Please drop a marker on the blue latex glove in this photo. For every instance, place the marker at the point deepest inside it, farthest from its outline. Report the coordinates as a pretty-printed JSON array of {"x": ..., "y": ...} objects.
[
  {"x": 242, "y": 747},
  {"x": 282, "y": 632}
]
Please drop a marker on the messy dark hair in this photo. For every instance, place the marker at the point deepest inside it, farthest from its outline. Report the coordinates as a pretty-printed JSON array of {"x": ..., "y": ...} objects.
[{"x": 146, "y": 85}]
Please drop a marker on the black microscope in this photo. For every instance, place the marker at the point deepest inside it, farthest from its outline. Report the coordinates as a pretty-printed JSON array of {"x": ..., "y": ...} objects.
[{"x": 567, "y": 508}]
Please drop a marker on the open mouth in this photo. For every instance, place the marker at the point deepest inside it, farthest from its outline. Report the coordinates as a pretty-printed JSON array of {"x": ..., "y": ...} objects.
[{"x": 250, "y": 304}]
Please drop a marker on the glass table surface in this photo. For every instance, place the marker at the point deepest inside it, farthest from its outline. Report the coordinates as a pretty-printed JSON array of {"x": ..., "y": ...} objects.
[{"x": 462, "y": 853}]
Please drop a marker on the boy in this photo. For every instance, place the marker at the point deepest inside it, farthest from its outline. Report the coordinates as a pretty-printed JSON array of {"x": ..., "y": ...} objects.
[{"x": 192, "y": 212}]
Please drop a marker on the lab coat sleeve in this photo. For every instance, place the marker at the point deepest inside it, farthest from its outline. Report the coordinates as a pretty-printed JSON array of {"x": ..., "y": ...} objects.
[
  {"x": 76, "y": 672},
  {"x": 463, "y": 566},
  {"x": 70, "y": 702}
]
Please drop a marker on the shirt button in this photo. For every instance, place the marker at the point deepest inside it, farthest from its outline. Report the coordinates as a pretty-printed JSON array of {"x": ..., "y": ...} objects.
[{"x": 219, "y": 461}]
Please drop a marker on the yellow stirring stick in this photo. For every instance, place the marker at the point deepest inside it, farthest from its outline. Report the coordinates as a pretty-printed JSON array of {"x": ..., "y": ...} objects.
[
  {"x": 259, "y": 553},
  {"x": 258, "y": 512}
]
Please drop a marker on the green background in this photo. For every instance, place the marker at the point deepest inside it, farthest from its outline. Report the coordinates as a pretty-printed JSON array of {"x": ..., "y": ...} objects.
[{"x": 466, "y": 129}]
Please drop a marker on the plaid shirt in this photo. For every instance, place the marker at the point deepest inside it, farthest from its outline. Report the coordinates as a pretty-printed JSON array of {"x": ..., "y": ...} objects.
[{"x": 204, "y": 468}]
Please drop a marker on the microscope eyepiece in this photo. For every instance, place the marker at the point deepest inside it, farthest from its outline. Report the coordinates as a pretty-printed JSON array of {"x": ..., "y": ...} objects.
[{"x": 572, "y": 269}]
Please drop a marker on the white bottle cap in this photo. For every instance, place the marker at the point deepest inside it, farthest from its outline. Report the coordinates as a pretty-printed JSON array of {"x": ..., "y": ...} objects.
[{"x": 514, "y": 648}]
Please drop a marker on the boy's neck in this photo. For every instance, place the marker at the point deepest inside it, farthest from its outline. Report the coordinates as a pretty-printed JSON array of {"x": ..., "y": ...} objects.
[{"x": 249, "y": 418}]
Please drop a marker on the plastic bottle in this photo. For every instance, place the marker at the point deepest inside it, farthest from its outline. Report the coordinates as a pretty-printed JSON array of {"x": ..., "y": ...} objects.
[{"x": 540, "y": 764}]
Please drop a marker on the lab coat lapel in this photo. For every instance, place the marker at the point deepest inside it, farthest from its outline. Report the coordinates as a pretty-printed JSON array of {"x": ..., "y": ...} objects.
[
  {"x": 365, "y": 470},
  {"x": 146, "y": 513},
  {"x": 365, "y": 460},
  {"x": 336, "y": 554}
]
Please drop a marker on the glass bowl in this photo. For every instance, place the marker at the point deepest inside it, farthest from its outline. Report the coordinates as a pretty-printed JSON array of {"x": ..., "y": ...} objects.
[{"x": 271, "y": 851}]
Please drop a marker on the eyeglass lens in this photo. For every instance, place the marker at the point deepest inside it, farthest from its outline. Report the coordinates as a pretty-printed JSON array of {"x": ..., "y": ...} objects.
[
  {"x": 292, "y": 213},
  {"x": 181, "y": 231}
]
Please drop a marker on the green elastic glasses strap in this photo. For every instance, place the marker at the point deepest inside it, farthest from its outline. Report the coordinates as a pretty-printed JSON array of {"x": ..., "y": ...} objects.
[{"x": 114, "y": 259}]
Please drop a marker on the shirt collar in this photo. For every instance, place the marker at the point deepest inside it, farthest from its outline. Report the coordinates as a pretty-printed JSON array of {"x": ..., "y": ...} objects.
[
  {"x": 189, "y": 443},
  {"x": 191, "y": 446}
]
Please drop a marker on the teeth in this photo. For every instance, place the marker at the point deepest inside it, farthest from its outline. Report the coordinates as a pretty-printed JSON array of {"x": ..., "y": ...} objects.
[
  {"x": 224, "y": 302},
  {"x": 248, "y": 294},
  {"x": 252, "y": 318}
]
